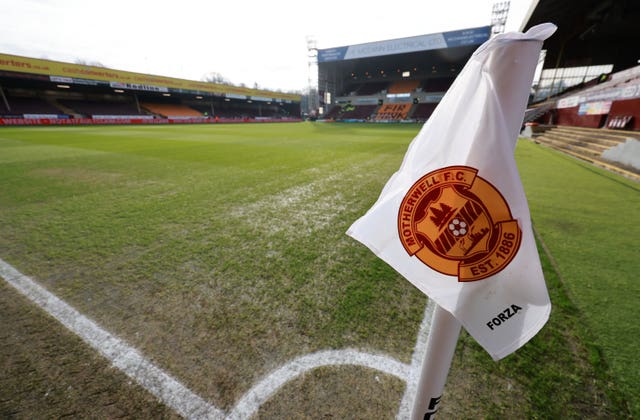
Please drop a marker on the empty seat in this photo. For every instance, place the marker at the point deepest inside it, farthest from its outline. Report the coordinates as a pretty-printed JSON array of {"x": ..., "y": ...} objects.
[
  {"x": 172, "y": 110},
  {"x": 404, "y": 86},
  {"x": 94, "y": 107}
]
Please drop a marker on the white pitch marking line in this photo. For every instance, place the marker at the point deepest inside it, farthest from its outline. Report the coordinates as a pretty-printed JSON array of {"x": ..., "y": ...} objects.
[
  {"x": 184, "y": 401},
  {"x": 124, "y": 357},
  {"x": 251, "y": 402},
  {"x": 262, "y": 391},
  {"x": 406, "y": 405}
]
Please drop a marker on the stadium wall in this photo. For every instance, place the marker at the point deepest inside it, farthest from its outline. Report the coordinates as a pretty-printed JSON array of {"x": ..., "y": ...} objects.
[
  {"x": 571, "y": 116},
  {"x": 630, "y": 107},
  {"x": 577, "y": 116}
]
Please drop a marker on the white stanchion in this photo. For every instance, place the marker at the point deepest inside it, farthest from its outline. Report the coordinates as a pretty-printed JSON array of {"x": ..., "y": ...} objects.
[{"x": 441, "y": 345}]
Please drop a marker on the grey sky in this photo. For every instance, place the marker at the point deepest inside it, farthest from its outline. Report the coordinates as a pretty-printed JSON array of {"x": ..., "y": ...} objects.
[{"x": 246, "y": 41}]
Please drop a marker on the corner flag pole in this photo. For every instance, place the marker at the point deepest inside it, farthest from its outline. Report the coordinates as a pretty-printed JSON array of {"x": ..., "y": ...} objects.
[{"x": 441, "y": 345}]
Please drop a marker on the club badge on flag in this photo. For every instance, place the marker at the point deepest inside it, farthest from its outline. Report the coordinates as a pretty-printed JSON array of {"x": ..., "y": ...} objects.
[{"x": 454, "y": 219}]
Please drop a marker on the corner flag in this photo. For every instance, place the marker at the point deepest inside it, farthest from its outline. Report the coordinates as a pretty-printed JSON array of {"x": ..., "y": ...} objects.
[{"x": 454, "y": 219}]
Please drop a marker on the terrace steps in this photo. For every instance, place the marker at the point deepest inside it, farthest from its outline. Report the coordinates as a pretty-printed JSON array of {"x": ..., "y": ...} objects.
[{"x": 588, "y": 144}]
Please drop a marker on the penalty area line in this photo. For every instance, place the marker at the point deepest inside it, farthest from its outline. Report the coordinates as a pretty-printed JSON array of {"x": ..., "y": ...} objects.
[{"x": 124, "y": 357}]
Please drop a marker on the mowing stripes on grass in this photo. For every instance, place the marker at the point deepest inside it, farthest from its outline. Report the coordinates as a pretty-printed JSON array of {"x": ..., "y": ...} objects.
[
  {"x": 589, "y": 219},
  {"x": 220, "y": 253},
  {"x": 119, "y": 353}
]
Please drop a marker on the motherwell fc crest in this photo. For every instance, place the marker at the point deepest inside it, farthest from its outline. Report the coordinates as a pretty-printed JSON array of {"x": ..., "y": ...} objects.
[{"x": 458, "y": 224}]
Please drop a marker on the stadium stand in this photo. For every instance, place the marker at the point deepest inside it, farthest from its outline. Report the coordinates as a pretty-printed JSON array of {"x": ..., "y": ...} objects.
[
  {"x": 397, "y": 74},
  {"x": 592, "y": 120},
  {"x": 589, "y": 144},
  {"x": 389, "y": 95},
  {"x": 393, "y": 112},
  {"x": 240, "y": 110},
  {"x": 360, "y": 112},
  {"x": 371, "y": 88},
  {"x": 611, "y": 101},
  {"x": 37, "y": 91},
  {"x": 437, "y": 84},
  {"x": 35, "y": 103},
  {"x": 171, "y": 110},
  {"x": 333, "y": 113},
  {"x": 92, "y": 108},
  {"x": 205, "y": 109},
  {"x": 29, "y": 106},
  {"x": 404, "y": 86},
  {"x": 422, "y": 112}
]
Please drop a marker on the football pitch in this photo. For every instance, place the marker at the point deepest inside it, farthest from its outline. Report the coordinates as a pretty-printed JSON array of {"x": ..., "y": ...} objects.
[{"x": 219, "y": 253}]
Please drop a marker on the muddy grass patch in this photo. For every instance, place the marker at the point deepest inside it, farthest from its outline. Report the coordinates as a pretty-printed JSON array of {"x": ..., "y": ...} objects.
[
  {"x": 47, "y": 372},
  {"x": 344, "y": 392}
]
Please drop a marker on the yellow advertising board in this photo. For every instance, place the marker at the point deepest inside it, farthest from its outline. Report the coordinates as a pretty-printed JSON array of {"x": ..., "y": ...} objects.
[{"x": 20, "y": 64}]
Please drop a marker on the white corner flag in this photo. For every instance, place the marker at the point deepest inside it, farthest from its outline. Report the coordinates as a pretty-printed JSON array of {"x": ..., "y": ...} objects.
[{"x": 454, "y": 219}]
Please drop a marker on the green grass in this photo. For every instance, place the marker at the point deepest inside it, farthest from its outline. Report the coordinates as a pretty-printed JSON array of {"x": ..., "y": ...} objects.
[
  {"x": 590, "y": 222},
  {"x": 220, "y": 252}
]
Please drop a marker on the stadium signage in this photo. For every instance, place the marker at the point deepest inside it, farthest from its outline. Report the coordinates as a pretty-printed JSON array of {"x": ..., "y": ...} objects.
[
  {"x": 606, "y": 95},
  {"x": 59, "y": 79},
  {"x": 569, "y": 102},
  {"x": 594, "y": 108},
  {"x": 82, "y": 74},
  {"x": 451, "y": 39},
  {"x": 234, "y": 96},
  {"x": 398, "y": 95},
  {"x": 135, "y": 86},
  {"x": 433, "y": 98},
  {"x": 73, "y": 80},
  {"x": 363, "y": 101}
]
